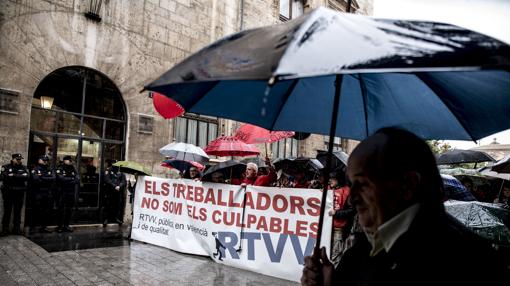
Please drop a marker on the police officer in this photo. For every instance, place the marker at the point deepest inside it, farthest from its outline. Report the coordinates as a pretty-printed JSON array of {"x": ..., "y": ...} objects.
[
  {"x": 115, "y": 185},
  {"x": 15, "y": 179},
  {"x": 67, "y": 179},
  {"x": 43, "y": 179},
  {"x": 90, "y": 176}
]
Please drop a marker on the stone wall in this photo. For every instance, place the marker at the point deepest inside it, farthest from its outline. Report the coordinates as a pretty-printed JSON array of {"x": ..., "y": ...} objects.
[{"x": 134, "y": 43}]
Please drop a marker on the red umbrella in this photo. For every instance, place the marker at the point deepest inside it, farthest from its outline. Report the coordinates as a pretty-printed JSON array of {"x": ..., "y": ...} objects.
[
  {"x": 166, "y": 107},
  {"x": 253, "y": 134},
  {"x": 230, "y": 146}
]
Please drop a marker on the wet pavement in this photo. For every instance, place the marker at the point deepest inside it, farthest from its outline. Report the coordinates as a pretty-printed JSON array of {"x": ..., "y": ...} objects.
[
  {"x": 82, "y": 238},
  {"x": 23, "y": 262}
]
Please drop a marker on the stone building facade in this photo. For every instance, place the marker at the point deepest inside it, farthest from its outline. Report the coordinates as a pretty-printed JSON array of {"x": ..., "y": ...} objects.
[{"x": 121, "y": 45}]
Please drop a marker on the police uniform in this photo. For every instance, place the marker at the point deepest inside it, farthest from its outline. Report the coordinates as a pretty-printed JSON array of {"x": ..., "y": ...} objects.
[
  {"x": 113, "y": 198},
  {"x": 15, "y": 178},
  {"x": 90, "y": 176},
  {"x": 43, "y": 179},
  {"x": 65, "y": 195}
]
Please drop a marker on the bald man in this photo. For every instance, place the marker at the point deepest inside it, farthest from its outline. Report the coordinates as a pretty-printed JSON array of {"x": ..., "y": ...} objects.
[{"x": 409, "y": 239}]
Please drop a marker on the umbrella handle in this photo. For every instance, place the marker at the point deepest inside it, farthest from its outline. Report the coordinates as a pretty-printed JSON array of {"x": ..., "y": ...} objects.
[
  {"x": 500, "y": 189},
  {"x": 329, "y": 156}
]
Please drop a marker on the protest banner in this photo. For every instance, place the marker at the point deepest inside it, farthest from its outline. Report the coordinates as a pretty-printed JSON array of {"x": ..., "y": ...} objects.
[{"x": 277, "y": 230}]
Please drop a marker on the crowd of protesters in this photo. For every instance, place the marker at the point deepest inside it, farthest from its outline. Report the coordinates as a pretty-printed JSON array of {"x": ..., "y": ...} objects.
[
  {"x": 298, "y": 175},
  {"x": 346, "y": 226}
]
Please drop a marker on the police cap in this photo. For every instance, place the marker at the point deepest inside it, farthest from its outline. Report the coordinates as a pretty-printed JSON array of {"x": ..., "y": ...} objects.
[
  {"x": 44, "y": 158},
  {"x": 17, "y": 156},
  {"x": 68, "y": 158}
]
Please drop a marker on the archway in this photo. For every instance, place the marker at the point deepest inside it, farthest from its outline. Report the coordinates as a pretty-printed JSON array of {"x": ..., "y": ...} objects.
[{"x": 79, "y": 112}]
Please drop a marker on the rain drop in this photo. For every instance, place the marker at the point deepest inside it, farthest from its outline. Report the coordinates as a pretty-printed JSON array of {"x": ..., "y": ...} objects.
[{"x": 266, "y": 92}]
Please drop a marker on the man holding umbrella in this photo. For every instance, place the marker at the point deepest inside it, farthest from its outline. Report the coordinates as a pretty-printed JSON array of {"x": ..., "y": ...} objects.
[{"x": 409, "y": 237}]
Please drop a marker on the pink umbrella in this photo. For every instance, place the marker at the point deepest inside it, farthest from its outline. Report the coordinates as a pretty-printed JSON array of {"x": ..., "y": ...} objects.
[
  {"x": 166, "y": 107},
  {"x": 253, "y": 134},
  {"x": 230, "y": 146}
]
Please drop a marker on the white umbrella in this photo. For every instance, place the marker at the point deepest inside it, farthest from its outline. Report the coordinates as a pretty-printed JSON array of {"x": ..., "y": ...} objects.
[{"x": 185, "y": 152}]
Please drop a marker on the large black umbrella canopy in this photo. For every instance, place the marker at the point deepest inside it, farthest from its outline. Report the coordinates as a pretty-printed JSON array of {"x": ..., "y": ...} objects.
[
  {"x": 293, "y": 164},
  {"x": 437, "y": 80},
  {"x": 458, "y": 156},
  {"x": 339, "y": 162},
  {"x": 230, "y": 169},
  {"x": 502, "y": 166}
]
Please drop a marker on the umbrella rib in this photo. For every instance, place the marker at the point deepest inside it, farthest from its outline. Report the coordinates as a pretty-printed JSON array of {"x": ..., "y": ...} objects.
[
  {"x": 286, "y": 97},
  {"x": 435, "y": 88},
  {"x": 364, "y": 97}
]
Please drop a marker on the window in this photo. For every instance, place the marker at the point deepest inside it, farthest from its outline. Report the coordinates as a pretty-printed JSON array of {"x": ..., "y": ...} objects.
[
  {"x": 9, "y": 101},
  {"x": 290, "y": 9},
  {"x": 145, "y": 124},
  {"x": 84, "y": 103},
  {"x": 285, "y": 148},
  {"x": 196, "y": 129},
  {"x": 337, "y": 143},
  {"x": 341, "y": 5}
]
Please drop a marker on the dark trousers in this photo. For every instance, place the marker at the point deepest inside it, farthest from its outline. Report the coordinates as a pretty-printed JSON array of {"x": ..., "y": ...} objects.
[
  {"x": 13, "y": 199},
  {"x": 112, "y": 205},
  {"x": 65, "y": 199},
  {"x": 42, "y": 207}
]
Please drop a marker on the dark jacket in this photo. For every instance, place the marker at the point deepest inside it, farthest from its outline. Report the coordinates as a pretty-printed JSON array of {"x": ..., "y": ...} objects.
[
  {"x": 19, "y": 178},
  {"x": 67, "y": 177},
  {"x": 114, "y": 179},
  {"x": 436, "y": 250},
  {"x": 43, "y": 178}
]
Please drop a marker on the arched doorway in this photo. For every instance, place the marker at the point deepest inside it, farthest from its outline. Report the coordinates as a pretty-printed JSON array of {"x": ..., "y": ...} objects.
[{"x": 79, "y": 112}]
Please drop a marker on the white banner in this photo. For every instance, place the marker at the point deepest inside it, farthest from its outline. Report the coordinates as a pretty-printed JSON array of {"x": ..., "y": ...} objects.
[{"x": 278, "y": 229}]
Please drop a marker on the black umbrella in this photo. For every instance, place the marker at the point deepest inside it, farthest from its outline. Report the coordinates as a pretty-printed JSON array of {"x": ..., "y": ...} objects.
[
  {"x": 291, "y": 165},
  {"x": 339, "y": 159},
  {"x": 410, "y": 74},
  {"x": 463, "y": 156},
  {"x": 437, "y": 80},
  {"x": 502, "y": 166},
  {"x": 487, "y": 220},
  {"x": 229, "y": 169}
]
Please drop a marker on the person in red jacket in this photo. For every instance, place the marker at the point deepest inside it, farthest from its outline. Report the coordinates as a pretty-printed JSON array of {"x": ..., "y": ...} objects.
[
  {"x": 251, "y": 178},
  {"x": 342, "y": 214}
]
